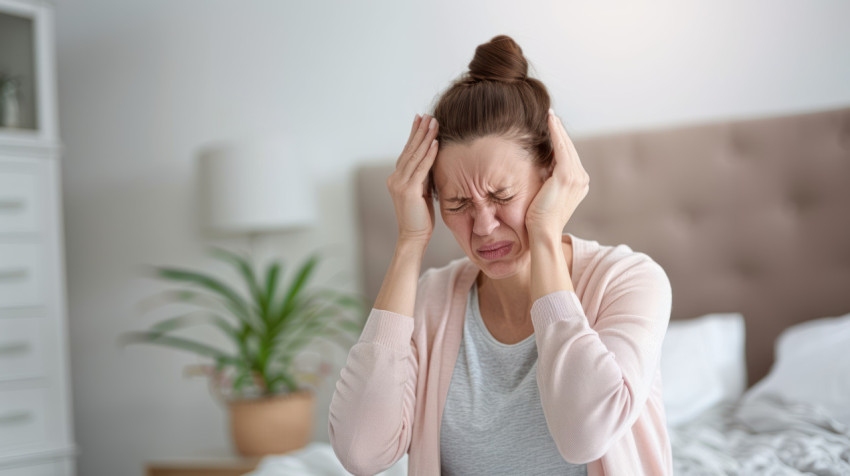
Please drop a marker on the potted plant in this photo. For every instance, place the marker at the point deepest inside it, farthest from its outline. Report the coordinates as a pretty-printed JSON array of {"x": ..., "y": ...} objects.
[{"x": 268, "y": 324}]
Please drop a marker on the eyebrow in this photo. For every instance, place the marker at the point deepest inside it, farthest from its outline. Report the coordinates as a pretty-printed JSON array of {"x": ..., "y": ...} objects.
[{"x": 461, "y": 199}]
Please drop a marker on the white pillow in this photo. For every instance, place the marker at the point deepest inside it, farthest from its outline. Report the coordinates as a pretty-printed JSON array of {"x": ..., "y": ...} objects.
[
  {"x": 702, "y": 364},
  {"x": 812, "y": 365}
]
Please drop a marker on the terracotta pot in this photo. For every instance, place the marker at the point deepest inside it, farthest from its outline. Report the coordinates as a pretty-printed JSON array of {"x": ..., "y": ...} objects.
[{"x": 272, "y": 425}]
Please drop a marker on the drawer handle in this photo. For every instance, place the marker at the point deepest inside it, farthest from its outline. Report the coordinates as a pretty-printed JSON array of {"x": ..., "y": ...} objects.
[
  {"x": 10, "y": 274},
  {"x": 15, "y": 417},
  {"x": 11, "y": 204},
  {"x": 16, "y": 347}
]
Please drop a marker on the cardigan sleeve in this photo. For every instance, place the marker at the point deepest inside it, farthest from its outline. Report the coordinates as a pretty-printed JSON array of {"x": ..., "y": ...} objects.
[
  {"x": 371, "y": 411},
  {"x": 594, "y": 382}
]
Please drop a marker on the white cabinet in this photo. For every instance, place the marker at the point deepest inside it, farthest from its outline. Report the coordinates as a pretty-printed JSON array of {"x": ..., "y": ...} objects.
[{"x": 36, "y": 433}]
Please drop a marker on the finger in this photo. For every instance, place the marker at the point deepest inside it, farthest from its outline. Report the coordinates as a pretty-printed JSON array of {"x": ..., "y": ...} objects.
[
  {"x": 416, "y": 122},
  {"x": 566, "y": 145},
  {"x": 566, "y": 154},
  {"x": 419, "y": 134},
  {"x": 422, "y": 150},
  {"x": 415, "y": 144},
  {"x": 567, "y": 139},
  {"x": 556, "y": 132},
  {"x": 421, "y": 172}
]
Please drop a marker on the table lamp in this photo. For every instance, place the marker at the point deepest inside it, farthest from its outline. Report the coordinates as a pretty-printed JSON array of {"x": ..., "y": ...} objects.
[{"x": 254, "y": 187}]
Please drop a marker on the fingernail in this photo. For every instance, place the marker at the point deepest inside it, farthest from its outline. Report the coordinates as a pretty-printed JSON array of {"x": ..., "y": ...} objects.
[
  {"x": 551, "y": 111},
  {"x": 417, "y": 117},
  {"x": 432, "y": 123}
]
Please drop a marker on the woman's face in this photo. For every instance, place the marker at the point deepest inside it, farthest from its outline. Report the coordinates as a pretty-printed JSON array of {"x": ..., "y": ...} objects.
[{"x": 484, "y": 190}]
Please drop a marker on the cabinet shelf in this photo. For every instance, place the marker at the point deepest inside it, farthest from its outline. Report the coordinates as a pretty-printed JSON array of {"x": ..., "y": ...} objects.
[{"x": 18, "y": 88}]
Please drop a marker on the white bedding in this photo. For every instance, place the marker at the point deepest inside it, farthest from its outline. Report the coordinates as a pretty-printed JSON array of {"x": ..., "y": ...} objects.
[
  {"x": 764, "y": 435},
  {"x": 812, "y": 365},
  {"x": 316, "y": 459},
  {"x": 702, "y": 364}
]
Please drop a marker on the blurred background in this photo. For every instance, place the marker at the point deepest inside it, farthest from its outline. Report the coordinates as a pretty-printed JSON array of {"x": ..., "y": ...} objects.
[{"x": 143, "y": 86}]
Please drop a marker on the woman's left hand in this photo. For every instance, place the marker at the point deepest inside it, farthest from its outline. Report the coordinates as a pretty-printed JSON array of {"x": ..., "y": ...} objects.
[{"x": 562, "y": 191}]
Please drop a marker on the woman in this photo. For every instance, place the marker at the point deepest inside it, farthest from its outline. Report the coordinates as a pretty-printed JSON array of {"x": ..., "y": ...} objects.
[{"x": 537, "y": 353}]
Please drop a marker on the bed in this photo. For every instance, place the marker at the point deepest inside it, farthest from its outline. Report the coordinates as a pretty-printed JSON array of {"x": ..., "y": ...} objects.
[{"x": 750, "y": 218}]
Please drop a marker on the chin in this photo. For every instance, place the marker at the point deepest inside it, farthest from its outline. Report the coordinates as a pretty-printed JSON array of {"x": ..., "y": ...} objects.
[{"x": 499, "y": 269}]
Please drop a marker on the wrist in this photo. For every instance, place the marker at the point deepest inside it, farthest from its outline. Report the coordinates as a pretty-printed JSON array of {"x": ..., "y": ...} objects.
[
  {"x": 398, "y": 291},
  {"x": 544, "y": 239},
  {"x": 411, "y": 248},
  {"x": 549, "y": 271},
  {"x": 546, "y": 248}
]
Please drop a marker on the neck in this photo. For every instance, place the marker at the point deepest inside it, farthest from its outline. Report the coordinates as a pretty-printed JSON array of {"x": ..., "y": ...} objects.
[{"x": 509, "y": 297}]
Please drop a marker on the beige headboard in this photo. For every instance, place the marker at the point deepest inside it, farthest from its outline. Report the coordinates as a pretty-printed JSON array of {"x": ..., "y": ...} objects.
[{"x": 749, "y": 216}]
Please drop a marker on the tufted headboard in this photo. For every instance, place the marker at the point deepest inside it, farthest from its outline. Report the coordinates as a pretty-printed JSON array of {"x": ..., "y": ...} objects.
[{"x": 749, "y": 216}]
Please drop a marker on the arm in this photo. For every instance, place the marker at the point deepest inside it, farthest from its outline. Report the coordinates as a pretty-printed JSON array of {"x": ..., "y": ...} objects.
[
  {"x": 371, "y": 411},
  {"x": 594, "y": 382}
]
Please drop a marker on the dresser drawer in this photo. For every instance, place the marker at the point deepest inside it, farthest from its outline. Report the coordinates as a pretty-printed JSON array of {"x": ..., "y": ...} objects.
[
  {"x": 22, "y": 417},
  {"x": 49, "y": 468},
  {"x": 22, "y": 346},
  {"x": 21, "y": 191},
  {"x": 21, "y": 276}
]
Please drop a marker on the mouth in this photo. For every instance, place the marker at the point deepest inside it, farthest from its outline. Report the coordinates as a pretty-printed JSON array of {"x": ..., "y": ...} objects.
[{"x": 495, "y": 250}]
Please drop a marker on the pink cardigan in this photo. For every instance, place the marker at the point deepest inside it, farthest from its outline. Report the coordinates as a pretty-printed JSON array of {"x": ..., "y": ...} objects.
[{"x": 598, "y": 368}]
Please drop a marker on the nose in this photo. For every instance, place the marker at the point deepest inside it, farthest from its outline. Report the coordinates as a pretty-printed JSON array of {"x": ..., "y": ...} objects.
[{"x": 484, "y": 220}]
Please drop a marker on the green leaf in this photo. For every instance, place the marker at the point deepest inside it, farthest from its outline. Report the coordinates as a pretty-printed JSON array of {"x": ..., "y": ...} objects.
[
  {"x": 298, "y": 283},
  {"x": 195, "y": 318},
  {"x": 246, "y": 270},
  {"x": 233, "y": 300},
  {"x": 272, "y": 273},
  {"x": 191, "y": 296},
  {"x": 190, "y": 319},
  {"x": 159, "y": 338},
  {"x": 306, "y": 330}
]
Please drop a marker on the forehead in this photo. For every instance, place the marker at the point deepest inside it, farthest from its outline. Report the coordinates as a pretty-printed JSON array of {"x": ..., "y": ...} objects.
[{"x": 482, "y": 161}]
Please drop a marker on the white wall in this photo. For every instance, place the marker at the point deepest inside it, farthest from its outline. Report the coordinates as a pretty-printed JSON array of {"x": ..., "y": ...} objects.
[{"x": 144, "y": 84}]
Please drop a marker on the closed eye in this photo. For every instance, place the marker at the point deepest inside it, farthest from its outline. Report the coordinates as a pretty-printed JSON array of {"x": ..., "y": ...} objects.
[{"x": 495, "y": 199}]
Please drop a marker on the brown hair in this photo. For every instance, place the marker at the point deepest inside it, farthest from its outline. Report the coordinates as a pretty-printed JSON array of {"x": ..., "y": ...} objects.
[{"x": 496, "y": 97}]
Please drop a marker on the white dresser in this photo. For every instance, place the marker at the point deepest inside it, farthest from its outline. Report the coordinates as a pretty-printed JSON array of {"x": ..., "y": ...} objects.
[{"x": 36, "y": 433}]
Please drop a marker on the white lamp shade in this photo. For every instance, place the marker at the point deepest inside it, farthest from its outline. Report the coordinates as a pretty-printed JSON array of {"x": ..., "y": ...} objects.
[{"x": 257, "y": 186}]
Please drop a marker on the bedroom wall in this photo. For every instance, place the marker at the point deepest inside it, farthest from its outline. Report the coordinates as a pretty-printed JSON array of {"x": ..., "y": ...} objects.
[{"x": 144, "y": 84}]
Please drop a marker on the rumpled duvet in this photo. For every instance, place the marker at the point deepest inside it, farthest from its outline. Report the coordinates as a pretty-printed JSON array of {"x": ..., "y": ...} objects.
[{"x": 763, "y": 436}]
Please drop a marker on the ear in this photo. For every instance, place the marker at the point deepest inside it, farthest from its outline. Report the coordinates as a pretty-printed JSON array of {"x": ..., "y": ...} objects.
[
  {"x": 546, "y": 172},
  {"x": 551, "y": 167}
]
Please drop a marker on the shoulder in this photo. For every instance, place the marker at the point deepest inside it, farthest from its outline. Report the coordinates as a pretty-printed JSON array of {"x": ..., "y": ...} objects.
[
  {"x": 441, "y": 294},
  {"x": 619, "y": 266},
  {"x": 620, "y": 285},
  {"x": 446, "y": 279}
]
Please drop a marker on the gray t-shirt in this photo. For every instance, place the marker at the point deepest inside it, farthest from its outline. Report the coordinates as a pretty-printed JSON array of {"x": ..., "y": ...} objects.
[{"x": 493, "y": 420}]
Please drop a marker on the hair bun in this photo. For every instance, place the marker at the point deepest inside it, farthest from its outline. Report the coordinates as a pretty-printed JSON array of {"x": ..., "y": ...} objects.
[{"x": 500, "y": 59}]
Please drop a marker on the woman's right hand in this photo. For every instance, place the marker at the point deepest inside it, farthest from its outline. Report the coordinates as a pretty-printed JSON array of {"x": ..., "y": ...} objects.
[{"x": 408, "y": 184}]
